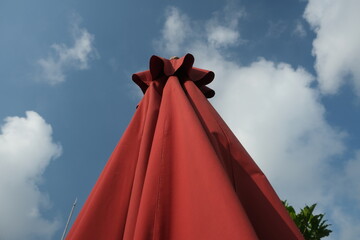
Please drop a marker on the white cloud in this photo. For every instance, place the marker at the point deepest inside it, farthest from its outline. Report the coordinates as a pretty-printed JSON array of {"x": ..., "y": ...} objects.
[
  {"x": 222, "y": 36},
  {"x": 351, "y": 178},
  {"x": 275, "y": 29},
  {"x": 64, "y": 58},
  {"x": 348, "y": 224},
  {"x": 336, "y": 47},
  {"x": 221, "y": 31},
  {"x": 26, "y": 148},
  {"x": 175, "y": 31},
  {"x": 280, "y": 120},
  {"x": 345, "y": 205},
  {"x": 299, "y": 29},
  {"x": 222, "y": 28}
]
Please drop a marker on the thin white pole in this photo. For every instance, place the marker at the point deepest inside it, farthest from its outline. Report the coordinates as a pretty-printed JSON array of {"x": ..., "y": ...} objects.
[{"x": 69, "y": 218}]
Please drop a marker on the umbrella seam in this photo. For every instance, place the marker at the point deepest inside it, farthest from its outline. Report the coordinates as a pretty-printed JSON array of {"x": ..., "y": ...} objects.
[
  {"x": 138, "y": 155},
  {"x": 159, "y": 181},
  {"x": 265, "y": 196},
  {"x": 229, "y": 153}
]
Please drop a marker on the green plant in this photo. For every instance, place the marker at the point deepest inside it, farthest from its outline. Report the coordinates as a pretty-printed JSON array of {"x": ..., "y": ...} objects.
[{"x": 313, "y": 227}]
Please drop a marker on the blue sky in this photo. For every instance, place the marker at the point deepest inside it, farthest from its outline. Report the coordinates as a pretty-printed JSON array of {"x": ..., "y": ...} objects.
[{"x": 287, "y": 82}]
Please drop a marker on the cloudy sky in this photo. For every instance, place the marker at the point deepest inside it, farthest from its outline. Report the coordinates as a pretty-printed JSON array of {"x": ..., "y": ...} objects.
[{"x": 287, "y": 83}]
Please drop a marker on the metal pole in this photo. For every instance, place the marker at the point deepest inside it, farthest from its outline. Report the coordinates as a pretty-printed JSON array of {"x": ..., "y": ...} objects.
[{"x": 69, "y": 218}]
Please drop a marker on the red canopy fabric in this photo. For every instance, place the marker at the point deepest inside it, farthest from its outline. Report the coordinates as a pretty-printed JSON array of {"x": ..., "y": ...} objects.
[{"x": 179, "y": 173}]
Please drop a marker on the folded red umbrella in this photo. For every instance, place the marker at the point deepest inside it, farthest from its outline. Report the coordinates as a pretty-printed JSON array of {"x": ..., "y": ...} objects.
[{"x": 179, "y": 172}]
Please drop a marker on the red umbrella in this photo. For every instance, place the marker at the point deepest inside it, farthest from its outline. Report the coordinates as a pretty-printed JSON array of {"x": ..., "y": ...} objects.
[{"x": 179, "y": 172}]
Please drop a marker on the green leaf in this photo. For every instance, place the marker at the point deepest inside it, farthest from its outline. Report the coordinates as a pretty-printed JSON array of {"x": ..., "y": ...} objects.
[{"x": 313, "y": 227}]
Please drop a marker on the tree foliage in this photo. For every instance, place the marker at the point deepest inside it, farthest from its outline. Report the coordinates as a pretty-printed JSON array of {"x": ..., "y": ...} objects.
[{"x": 313, "y": 227}]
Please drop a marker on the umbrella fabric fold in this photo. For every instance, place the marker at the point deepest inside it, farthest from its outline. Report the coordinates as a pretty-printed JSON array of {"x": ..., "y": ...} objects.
[{"x": 179, "y": 172}]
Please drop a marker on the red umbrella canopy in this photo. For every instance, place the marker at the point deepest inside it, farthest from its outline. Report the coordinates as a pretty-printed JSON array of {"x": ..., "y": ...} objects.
[{"x": 179, "y": 172}]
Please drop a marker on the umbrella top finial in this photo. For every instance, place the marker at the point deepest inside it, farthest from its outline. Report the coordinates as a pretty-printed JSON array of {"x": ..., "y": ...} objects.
[{"x": 162, "y": 68}]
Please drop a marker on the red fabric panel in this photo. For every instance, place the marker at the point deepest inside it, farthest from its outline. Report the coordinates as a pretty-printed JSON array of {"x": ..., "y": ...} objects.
[{"x": 180, "y": 173}]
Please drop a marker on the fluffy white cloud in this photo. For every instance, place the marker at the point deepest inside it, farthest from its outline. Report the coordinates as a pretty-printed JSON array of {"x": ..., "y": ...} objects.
[
  {"x": 280, "y": 120},
  {"x": 222, "y": 36},
  {"x": 26, "y": 148},
  {"x": 63, "y": 58},
  {"x": 221, "y": 29},
  {"x": 176, "y": 30},
  {"x": 336, "y": 47}
]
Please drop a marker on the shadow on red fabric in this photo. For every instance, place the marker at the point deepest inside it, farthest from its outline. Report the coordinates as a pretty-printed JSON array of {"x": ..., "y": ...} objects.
[{"x": 179, "y": 173}]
